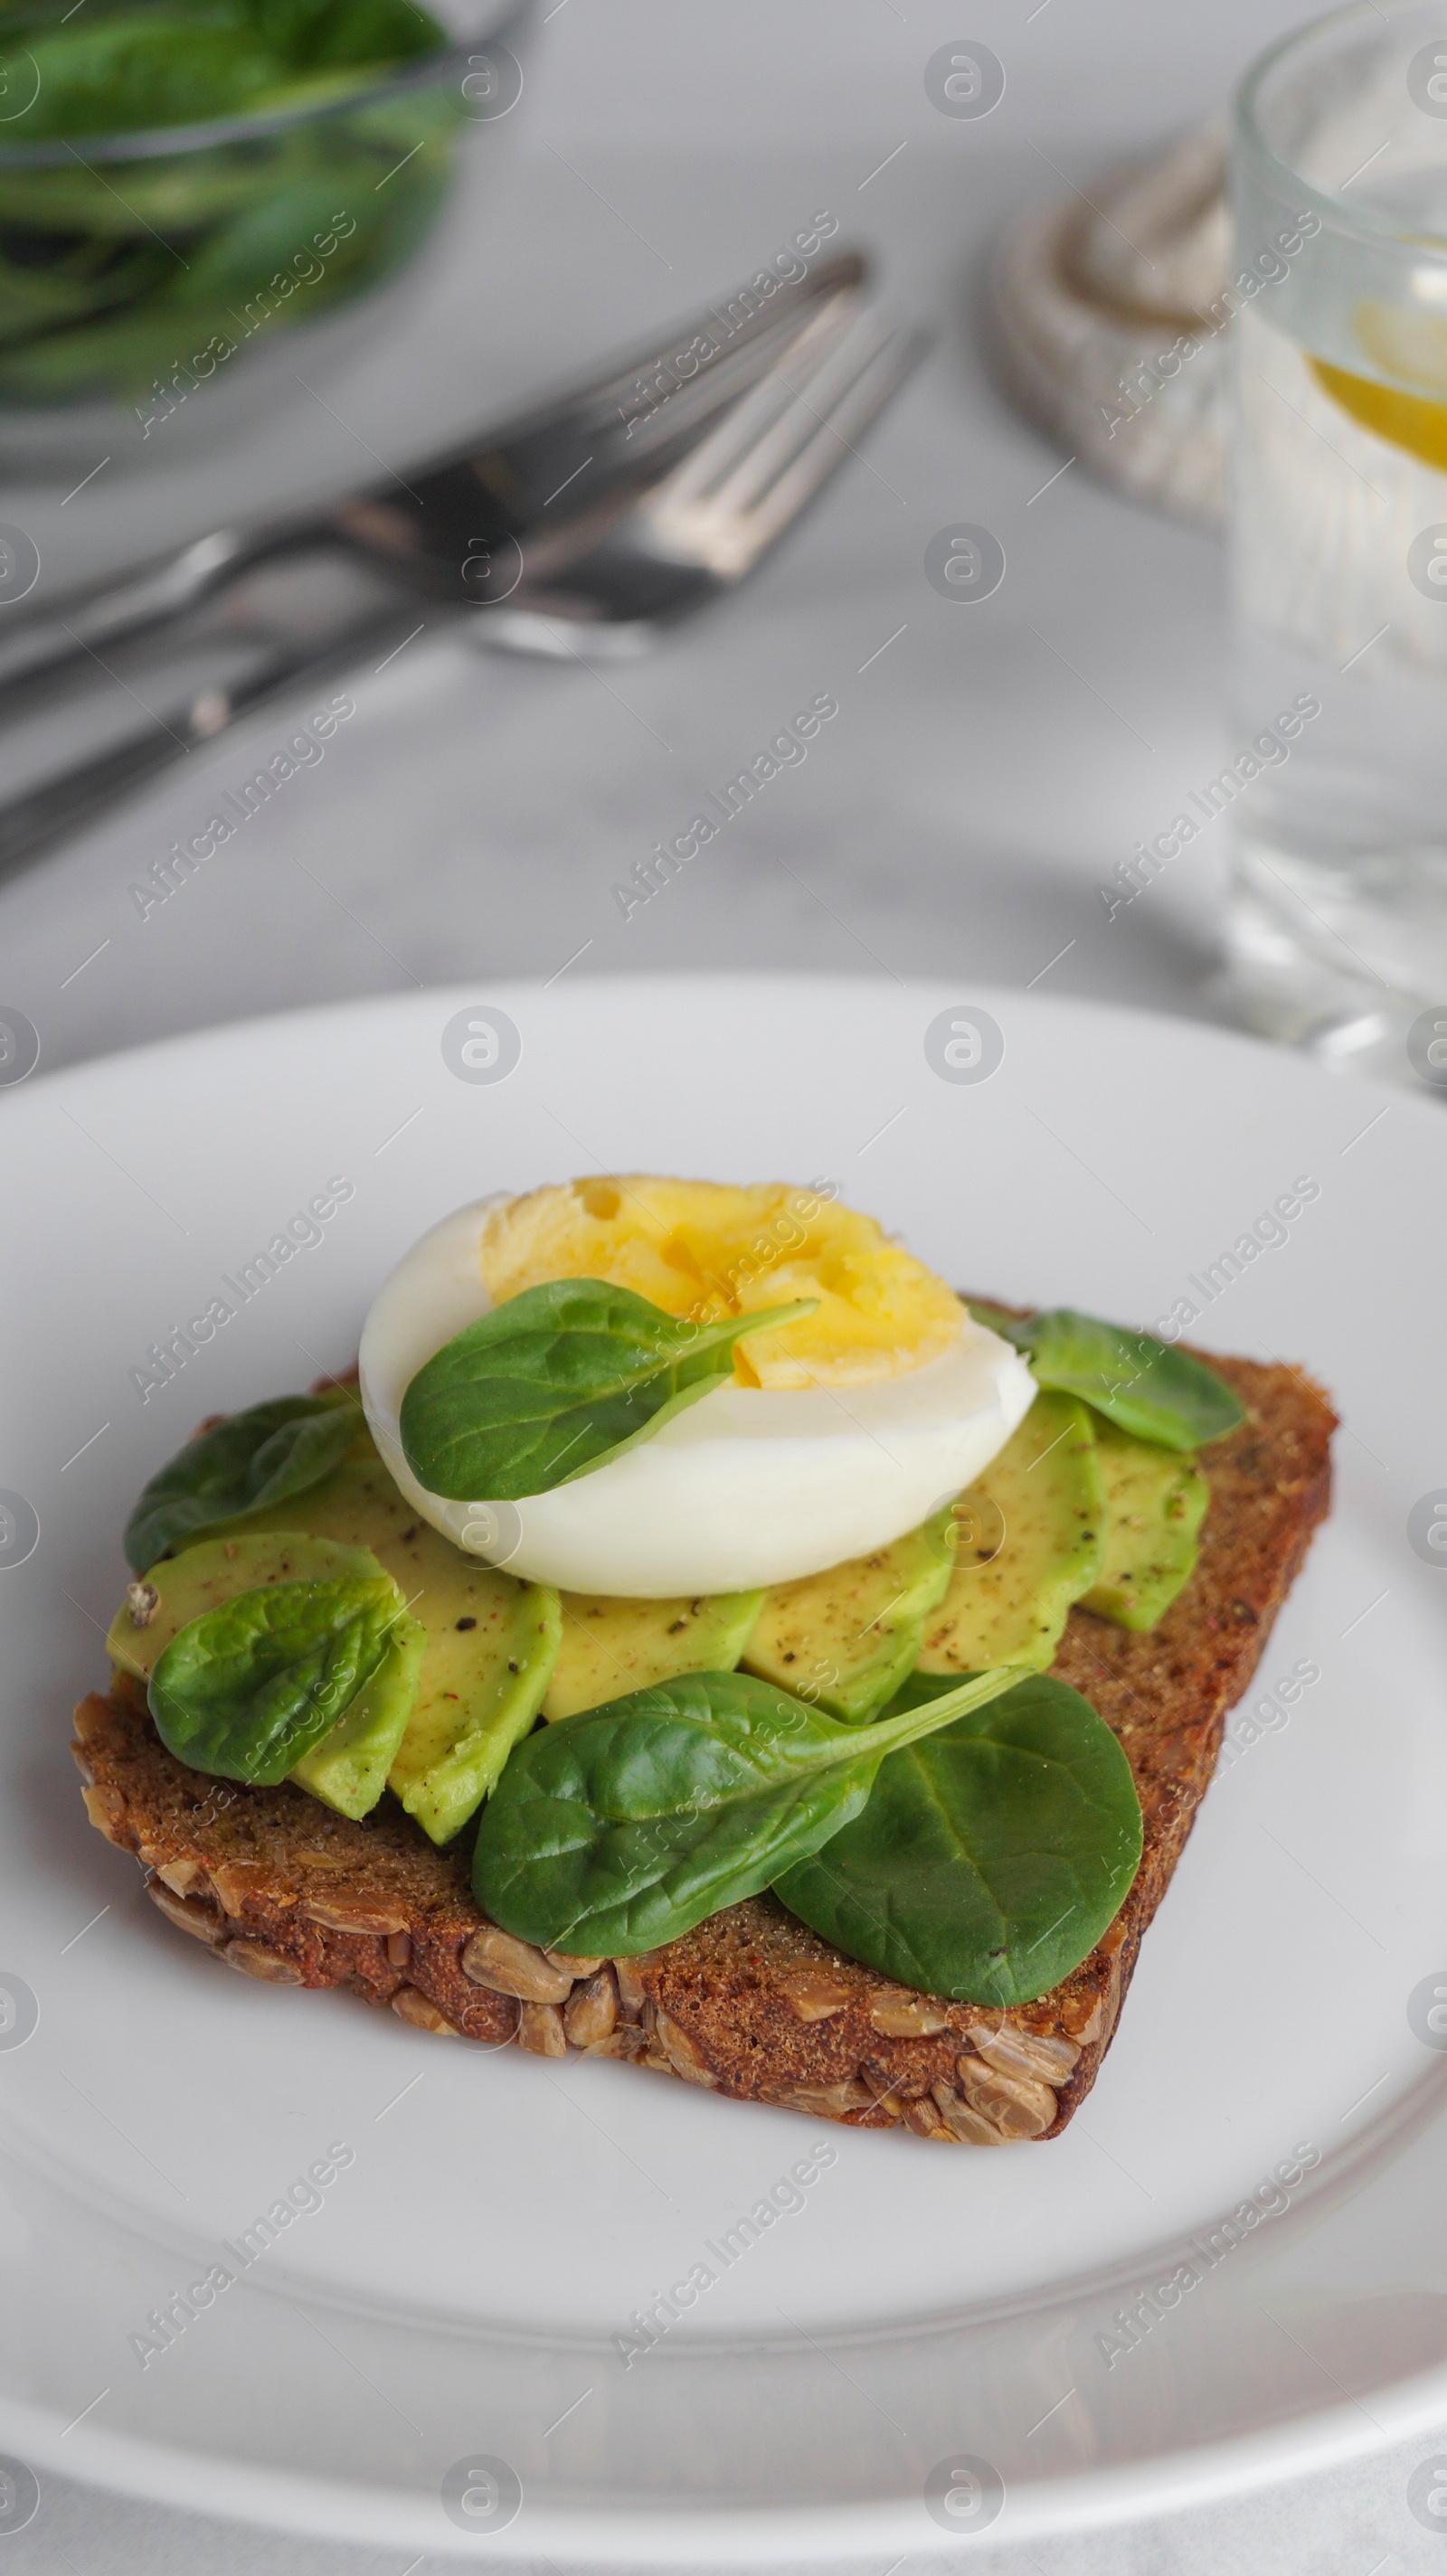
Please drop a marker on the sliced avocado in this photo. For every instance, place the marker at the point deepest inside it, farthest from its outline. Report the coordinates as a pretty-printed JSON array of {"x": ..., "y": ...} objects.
[
  {"x": 1156, "y": 1501},
  {"x": 1010, "y": 1605},
  {"x": 845, "y": 1639},
  {"x": 215, "y": 1570},
  {"x": 611, "y": 1646},
  {"x": 348, "y": 1769},
  {"x": 491, "y": 1640},
  {"x": 482, "y": 1685}
]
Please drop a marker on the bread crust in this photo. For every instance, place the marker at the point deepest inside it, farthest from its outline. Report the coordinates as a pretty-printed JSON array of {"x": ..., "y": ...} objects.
[{"x": 751, "y": 2004}]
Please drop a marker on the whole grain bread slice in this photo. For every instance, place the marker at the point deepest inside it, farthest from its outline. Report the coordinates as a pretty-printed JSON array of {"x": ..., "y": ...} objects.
[{"x": 750, "y": 2005}]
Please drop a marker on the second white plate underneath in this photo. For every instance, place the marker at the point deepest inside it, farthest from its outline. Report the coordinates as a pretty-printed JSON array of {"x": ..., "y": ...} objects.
[{"x": 463, "y": 2287}]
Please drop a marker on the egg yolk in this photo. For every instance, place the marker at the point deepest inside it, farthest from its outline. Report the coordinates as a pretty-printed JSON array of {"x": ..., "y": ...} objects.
[{"x": 702, "y": 1249}]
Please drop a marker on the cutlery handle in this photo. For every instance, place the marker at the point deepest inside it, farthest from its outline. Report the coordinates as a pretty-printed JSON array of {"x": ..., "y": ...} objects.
[
  {"x": 36, "y": 648},
  {"x": 31, "y": 821},
  {"x": 72, "y": 795},
  {"x": 503, "y": 484}
]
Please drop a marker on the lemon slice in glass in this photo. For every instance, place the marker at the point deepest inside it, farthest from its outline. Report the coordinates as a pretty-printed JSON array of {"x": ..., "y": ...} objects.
[{"x": 1412, "y": 346}]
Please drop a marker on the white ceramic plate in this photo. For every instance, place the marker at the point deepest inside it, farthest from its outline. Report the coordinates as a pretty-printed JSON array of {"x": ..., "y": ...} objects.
[{"x": 454, "y": 2295}]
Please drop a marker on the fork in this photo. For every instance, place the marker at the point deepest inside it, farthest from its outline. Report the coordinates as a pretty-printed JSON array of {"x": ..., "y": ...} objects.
[
  {"x": 610, "y": 579},
  {"x": 701, "y": 528},
  {"x": 588, "y": 442}
]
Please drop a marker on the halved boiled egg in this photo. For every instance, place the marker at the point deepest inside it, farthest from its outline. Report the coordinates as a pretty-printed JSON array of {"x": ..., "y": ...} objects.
[{"x": 836, "y": 1434}]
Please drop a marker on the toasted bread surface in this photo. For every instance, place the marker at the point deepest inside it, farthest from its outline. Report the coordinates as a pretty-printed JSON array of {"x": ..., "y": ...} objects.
[{"x": 750, "y": 2004}]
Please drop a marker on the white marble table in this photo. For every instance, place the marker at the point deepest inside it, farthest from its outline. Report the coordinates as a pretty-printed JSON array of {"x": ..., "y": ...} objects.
[{"x": 987, "y": 766}]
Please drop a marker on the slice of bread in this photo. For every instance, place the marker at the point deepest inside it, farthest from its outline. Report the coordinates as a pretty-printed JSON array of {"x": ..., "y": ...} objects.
[{"x": 751, "y": 2004}]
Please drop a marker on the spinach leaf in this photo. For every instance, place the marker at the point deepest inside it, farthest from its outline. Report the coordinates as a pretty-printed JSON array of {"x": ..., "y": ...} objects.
[
  {"x": 102, "y": 291},
  {"x": 141, "y": 68},
  {"x": 625, "y": 1826},
  {"x": 252, "y": 1687},
  {"x": 246, "y": 1464},
  {"x": 181, "y": 62},
  {"x": 558, "y": 1380},
  {"x": 1143, "y": 1385},
  {"x": 992, "y": 1854},
  {"x": 310, "y": 32}
]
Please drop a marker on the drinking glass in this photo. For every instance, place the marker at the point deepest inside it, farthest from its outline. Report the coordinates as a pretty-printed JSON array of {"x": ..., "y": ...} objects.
[{"x": 1338, "y": 790}]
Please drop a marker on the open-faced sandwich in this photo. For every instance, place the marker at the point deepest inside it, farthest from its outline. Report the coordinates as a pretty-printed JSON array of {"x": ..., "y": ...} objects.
[{"x": 700, "y": 1637}]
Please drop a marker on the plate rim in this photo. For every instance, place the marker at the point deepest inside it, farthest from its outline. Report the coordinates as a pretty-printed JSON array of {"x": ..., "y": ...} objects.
[{"x": 612, "y": 2531}]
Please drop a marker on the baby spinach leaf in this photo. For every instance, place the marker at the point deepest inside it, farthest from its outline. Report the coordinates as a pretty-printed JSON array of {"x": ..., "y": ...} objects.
[
  {"x": 249, "y": 1462},
  {"x": 558, "y": 1380},
  {"x": 307, "y": 32},
  {"x": 992, "y": 1854},
  {"x": 306, "y": 74},
  {"x": 625, "y": 1826},
  {"x": 181, "y": 62},
  {"x": 1145, "y": 1386},
  {"x": 252, "y": 1687}
]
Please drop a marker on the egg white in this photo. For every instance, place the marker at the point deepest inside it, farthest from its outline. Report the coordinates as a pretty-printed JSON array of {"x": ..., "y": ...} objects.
[{"x": 749, "y": 1486}]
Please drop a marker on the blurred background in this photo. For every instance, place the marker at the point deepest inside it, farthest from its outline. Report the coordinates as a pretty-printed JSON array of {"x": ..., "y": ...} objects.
[{"x": 991, "y": 763}]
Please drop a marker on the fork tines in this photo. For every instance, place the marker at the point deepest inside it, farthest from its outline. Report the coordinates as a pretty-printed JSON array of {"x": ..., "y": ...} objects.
[{"x": 734, "y": 492}]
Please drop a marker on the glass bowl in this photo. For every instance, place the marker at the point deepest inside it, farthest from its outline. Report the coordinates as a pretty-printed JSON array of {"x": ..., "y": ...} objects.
[{"x": 139, "y": 270}]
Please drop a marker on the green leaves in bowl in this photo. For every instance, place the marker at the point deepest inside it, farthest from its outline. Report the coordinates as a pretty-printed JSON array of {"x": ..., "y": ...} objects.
[
  {"x": 623, "y": 1827},
  {"x": 126, "y": 68},
  {"x": 248, "y": 1463},
  {"x": 991, "y": 1855},
  {"x": 146, "y": 284},
  {"x": 1142, "y": 1385},
  {"x": 142, "y": 68},
  {"x": 558, "y": 1380},
  {"x": 253, "y": 1688}
]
